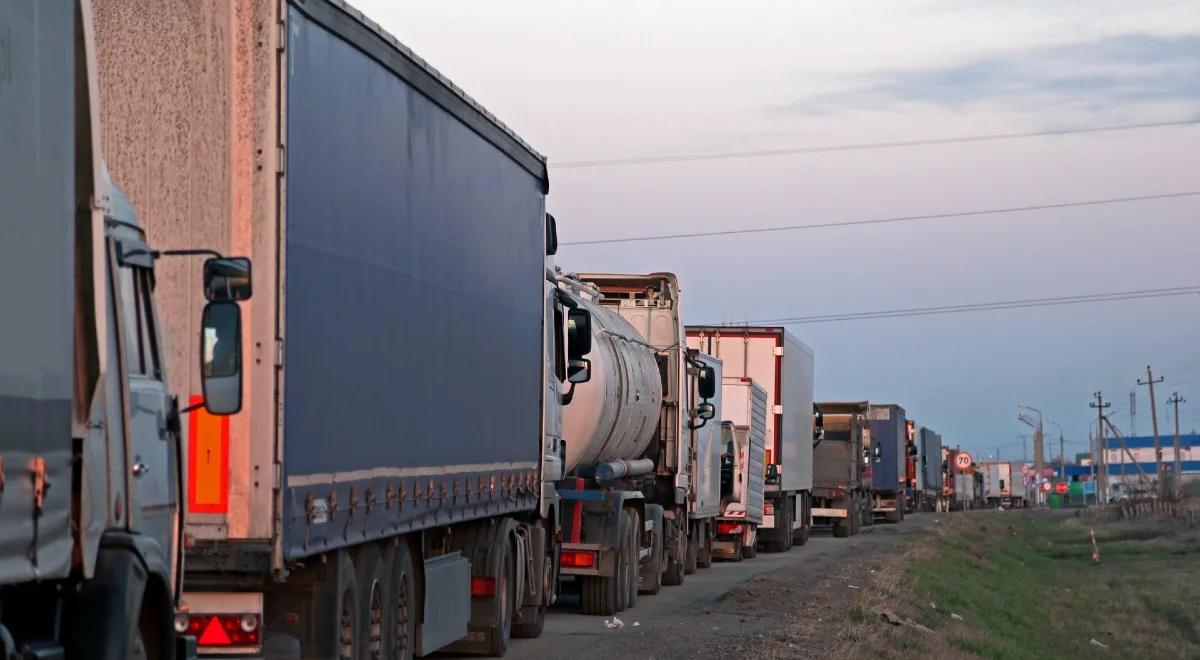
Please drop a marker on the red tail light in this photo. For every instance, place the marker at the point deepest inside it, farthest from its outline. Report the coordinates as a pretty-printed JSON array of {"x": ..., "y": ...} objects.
[
  {"x": 578, "y": 558},
  {"x": 726, "y": 528},
  {"x": 222, "y": 630},
  {"x": 483, "y": 587}
]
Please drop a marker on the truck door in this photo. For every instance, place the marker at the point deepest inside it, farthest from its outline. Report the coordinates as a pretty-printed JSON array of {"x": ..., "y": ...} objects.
[{"x": 153, "y": 449}]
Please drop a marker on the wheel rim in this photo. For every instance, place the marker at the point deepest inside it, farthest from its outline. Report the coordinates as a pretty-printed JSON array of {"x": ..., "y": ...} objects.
[
  {"x": 375, "y": 629},
  {"x": 402, "y": 618},
  {"x": 346, "y": 627}
]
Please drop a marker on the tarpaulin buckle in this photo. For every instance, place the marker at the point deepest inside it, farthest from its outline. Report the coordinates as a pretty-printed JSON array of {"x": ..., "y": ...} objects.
[{"x": 38, "y": 469}]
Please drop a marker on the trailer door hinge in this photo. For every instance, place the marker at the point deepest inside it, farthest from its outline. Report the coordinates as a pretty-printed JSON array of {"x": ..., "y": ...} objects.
[
  {"x": 278, "y": 352},
  {"x": 776, "y": 409},
  {"x": 778, "y": 351},
  {"x": 280, "y": 159},
  {"x": 278, "y": 476}
]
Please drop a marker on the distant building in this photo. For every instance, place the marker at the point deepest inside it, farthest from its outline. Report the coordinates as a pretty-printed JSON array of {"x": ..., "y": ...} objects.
[{"x": 1141, "y": 449}]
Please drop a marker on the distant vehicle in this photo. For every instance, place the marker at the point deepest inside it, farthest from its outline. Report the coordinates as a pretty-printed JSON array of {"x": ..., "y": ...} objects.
[
  {"x": 841, "y": 489},
  {"x": 743, "y": 468},
  {"x": 889, "y": 452},
  {"x": 783, "y": 366}
]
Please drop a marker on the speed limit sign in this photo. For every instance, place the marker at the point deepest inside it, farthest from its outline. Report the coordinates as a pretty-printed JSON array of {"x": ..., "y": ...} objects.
[{"x": 963, "y": 460}]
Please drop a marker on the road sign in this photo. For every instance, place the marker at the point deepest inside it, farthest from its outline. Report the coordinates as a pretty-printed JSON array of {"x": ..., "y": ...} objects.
[
  {"x": 963, "y": 460},
  {"x": 1089, "y": 488},
  {"x": 1061, "y": 488},
  {"x": 1045, "y": 486}
]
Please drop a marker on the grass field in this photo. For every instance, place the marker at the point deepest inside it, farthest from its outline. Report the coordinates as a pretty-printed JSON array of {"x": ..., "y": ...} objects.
[{"x": 1026, "y": 586}]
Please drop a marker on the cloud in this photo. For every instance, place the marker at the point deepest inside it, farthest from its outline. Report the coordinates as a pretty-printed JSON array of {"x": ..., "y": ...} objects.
[{"x": 1133, "y": 68}]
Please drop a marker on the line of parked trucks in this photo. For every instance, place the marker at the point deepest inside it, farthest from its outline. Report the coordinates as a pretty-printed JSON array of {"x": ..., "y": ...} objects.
[{"x": 408, "y": 430}]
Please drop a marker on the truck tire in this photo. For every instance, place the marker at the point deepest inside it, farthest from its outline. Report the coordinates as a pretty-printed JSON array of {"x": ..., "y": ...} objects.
[
  {"x": 705, "y": 558},
  {"x": 693, "y": 549},
  {"x": 598, "y": 595},
  {"x": 673, "y": 561},
  {"x": 371, "y": 574},
  {"x": 800, "y": 535},
  {"x": 621, "y": 572},
  {"x": 739, "y": 549},
  {"x": 750, "y": 550},
  {"x": 342, "y": 631},
  {"x": 633, "y": 544},
  {"x": 841, "y": 528},
  {"x": 781, "y": 536},
  {"x": 400, "y": 619},
  {"x": 498, "y": 636},
  {"x": 893, "y": 517},
  {"x": 652, "y": 573}
]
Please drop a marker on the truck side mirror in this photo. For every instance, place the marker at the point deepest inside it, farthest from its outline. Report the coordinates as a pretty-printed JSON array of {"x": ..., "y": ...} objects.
[
  {"x": 221, "y": 357},
  {"x": 706, "y": 411},
  {"x": 227, "y": 278},
  {"x": 551, "y": 236},
  {"x": 579, "y": 332},
  {"x": 579, "y": 370},
  {"x": 707, "y": 383}
]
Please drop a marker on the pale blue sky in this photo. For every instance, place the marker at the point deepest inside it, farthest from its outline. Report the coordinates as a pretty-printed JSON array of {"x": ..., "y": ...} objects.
[{"x": 582, "y": 81}]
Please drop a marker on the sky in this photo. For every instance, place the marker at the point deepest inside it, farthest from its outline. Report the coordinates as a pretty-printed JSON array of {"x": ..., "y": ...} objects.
[{"x": 585, "y": 81}]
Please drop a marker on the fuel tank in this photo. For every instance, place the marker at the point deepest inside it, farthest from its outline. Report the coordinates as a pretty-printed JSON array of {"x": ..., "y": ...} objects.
[{"x": 615, "y": 414}]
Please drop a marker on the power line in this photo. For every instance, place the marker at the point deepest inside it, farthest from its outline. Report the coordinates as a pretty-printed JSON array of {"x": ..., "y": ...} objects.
[
  {"x": 863, "y": 146},
  {"x": 881, "y": 221},
  {"x": 980, "y": 307}
]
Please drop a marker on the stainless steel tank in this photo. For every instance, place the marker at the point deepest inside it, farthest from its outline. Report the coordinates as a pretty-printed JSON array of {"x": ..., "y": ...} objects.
[{"x": 614, "y": 415}]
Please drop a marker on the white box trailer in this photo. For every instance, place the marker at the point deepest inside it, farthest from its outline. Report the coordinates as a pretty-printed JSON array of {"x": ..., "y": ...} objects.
[
  {"x": 782, "y": 365},
  {"x": 743, "y": 468}
]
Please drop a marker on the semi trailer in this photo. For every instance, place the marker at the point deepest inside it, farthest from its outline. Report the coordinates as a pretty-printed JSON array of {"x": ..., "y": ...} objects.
[
  {"x": 782, "y": 365},
  {"x": 388, "y": 487},
  {"x": 641, "y": 486},
  {"x": 1003, "y": 485},
  {"x": 929, "y": 452},
  {"x": 743, "y": 468},
  {"x": 91, "y": 459},
  {"x": 889, "y": 454},
  {"x": 841, "y": 493}
]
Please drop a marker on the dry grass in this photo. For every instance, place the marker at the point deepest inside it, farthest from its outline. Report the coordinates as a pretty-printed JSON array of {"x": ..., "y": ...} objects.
[{"x": 1026, "y": 587}]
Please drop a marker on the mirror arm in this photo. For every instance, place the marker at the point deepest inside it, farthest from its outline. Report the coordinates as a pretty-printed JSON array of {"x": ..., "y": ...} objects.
[
  {"x": 566, "y": 397},
  {"x": 188, "y": 253},
  {"x": 193, "y": 407}
]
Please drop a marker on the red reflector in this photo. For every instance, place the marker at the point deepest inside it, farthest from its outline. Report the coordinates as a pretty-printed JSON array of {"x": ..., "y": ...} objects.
[
  {"x": 214, "y": 634},
  {"x": 729, "y": 528},
  {"x": 222, "y": 630},
  {"x": 578, "y": 558},
  {"x": 483, "y": 587},
  {"x": 768, "y": 508}
]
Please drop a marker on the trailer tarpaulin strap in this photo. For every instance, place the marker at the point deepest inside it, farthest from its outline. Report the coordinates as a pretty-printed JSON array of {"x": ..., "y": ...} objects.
[{"x": 208, "y": 460}]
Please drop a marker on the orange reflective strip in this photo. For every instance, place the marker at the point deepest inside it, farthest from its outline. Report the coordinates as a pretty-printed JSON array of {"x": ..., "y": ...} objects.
[{"x": 208, "y": 460}]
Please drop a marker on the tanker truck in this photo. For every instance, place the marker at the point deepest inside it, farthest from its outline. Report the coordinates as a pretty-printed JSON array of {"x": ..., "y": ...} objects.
[
  {"x": 781, "y": 364},
  {"x": 642, "y": 460},
  {"x": 388, "y": 488},
  {"x": 90, "y": 454}
]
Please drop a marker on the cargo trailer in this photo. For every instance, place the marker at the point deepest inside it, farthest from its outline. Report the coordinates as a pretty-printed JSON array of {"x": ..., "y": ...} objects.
[
  {"x": 841, "y": 491},
  {"x": 1003, "y": 484},
  {"x": 394, "y": 459},
  {"x": 743, "y": 468},
  {"x": 913, "y": 479},
  {"x": 889, "y": 458},
  {"x": 928, "y": 469},
  {"x": 781, "y": 364}
]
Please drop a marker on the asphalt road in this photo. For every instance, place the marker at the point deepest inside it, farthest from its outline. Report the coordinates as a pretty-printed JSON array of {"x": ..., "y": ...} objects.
[{"x": 716, "y": 611}]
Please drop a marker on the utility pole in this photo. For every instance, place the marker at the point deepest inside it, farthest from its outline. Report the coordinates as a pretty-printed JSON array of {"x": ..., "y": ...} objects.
[
  {"x": 1154, "y": 422},
  {"x": 1176, "y": 400},
  {"x": 1101, "y": 485}
]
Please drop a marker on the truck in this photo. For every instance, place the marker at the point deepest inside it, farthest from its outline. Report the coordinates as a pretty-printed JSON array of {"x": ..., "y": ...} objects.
[
  {"x": 924, "y": 468},
  {"x": 889, "y": 458},
  {"x": 780, "y": 363},
  {"x": 641, "y": 486},
  {"x": 1003, "y": 485},
  {"x": 90, "y": 434},
  {"x": 388, "y": 487},
  {"x": 743, "y": 470},
  {"x": 841, "y": 492}
]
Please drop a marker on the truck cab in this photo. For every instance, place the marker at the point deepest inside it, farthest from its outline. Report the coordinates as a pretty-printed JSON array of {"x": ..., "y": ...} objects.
[{"x": 90, "y": 455}]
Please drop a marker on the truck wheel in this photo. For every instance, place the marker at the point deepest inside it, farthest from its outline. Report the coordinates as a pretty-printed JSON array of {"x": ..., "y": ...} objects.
[
  {"x": 674, "y": 561},
  {"x": 693, "y": 549},
  {"x": 750, "y": 550},
  {"x": 500, "y": 634},
  {"x": 598, "y": 595},
  {"x": 633, "y": 543},
  {"x": 800, "y": 536},
  {"x": 652, "y": 572},
  {"x": 705, "y": 559},
  {"x": 344, "y": 630},
  {"x": 893, "y": 517},
  {"x": 739, "y": 550},
  {"x": 841, "y": 528},
  {"x": 372, "y": 589},
  {"x": 400, "y": 619}
]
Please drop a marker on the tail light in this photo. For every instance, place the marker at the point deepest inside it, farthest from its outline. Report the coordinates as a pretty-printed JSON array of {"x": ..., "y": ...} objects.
[
  {"x": 768, "y": 508},
  {"x": 483, "y": 587},
  {"x": 728, "y": 528},
  {"x": 578, "y": 558},
  {"x": 220, "y": 630}
]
